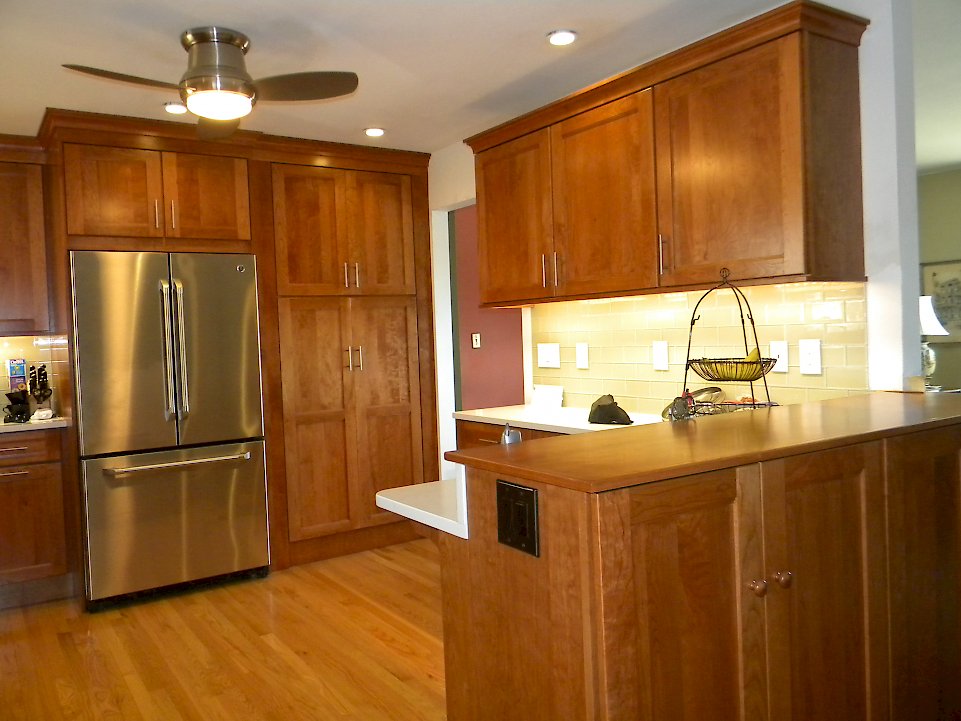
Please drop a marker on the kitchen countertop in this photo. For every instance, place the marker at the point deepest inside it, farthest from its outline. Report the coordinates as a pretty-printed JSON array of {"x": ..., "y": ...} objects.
[
  {"x": 554, "y": 419},
  {"x": 641, "y": 454},
  {"x": 34, "y": 425}
]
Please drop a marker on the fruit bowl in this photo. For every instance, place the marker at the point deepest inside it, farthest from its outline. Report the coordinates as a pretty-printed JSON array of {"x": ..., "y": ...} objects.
[{"x": 731, "y": 369}]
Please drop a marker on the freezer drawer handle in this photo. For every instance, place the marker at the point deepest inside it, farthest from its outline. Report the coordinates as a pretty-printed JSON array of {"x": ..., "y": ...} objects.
[{"x": 175, "y": 464}]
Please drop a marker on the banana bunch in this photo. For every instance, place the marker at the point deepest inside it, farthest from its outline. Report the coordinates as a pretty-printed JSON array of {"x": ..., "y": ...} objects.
[{"x": 753, "y": 357}]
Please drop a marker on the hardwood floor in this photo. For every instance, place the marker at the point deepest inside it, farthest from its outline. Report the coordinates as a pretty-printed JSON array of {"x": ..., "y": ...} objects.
[{"x": 356, "y": 637}]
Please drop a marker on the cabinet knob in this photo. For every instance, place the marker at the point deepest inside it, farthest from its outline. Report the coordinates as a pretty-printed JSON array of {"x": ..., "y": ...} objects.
[
  {"x": 783, "y": 578},
  {"x": 759, "y": 587}
]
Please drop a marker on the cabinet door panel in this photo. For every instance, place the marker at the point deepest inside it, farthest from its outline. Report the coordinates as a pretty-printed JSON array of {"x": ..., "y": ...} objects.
[
  {"x": 206, "y": 196},
  {"x": 386, "y": 394},
  {"x": 23, "y": 266},
  {"x": 729, "y": 167},
  {"x": 113, "y": 191},
  {"x": 604, "y": 198},
  {"x": 32, "y": 543},
  {"x": 515, "y": 243},
  {"x": 692, "y": 645},
  {"x": 310, "y": 226},
  {"x": 924, "y": 536},
  {"x": 316, "y": 427},
  {"x": 824, "y": 524},
  {"x": 381, "y": 232}
]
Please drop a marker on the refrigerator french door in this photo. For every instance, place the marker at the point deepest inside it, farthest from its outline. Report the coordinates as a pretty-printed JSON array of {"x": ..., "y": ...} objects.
[{"x": 167, "y": 356}]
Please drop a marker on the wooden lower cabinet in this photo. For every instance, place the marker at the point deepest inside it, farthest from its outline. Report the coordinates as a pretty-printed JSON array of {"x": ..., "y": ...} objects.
[
  {"x": 755, "y": 592},
  {"x": 472, "y": 434},
  {"x": 924, "y": 540},
  {"x": 351, "y": 409},
  {"x": 32, "y": 537}
]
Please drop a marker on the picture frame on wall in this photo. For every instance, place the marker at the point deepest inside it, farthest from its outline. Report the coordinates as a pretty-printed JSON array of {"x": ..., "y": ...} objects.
[{"x": 942, "y": 281}]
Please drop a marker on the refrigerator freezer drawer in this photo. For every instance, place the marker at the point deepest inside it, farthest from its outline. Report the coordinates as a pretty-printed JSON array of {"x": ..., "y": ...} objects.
[{"x": 156, "y": 519}]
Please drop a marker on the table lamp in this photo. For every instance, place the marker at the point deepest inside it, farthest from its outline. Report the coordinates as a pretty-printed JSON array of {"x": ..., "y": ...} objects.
[{"x": 930, "y": 325}]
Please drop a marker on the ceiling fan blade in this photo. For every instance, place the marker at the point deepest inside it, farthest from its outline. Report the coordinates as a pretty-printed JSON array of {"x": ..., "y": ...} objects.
[
  {"x": 110, "y": 75},
  {"x": 306, "y": 86},
  {"x": 208, "y": 129}
]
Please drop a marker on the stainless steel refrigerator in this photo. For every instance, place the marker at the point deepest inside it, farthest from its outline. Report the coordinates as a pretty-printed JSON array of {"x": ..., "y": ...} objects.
[{"x": 167, "y": 356}]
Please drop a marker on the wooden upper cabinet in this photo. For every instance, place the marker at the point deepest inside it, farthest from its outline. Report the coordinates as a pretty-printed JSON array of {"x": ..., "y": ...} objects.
[
  {"x": 340, "y": 232},
  {"x": 113, "y": 191},
  {"x": 515, "y": 220},
  {"x": 310, "y": 230},
  {"x": 381, "y": 233},
  {"x": 148, "y": 194},
  {"x": 758, "y": 166},
  {"x": 23, "y": 265},
  {"x": 206, "y": 196},
  {"x": 604, "y": 198}
]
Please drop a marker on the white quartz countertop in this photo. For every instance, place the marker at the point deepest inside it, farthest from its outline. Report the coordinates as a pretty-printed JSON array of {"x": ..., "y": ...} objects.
[
  {"x": 440, "y": 504},
  {"x": 555, "y": 419},
  {"x": 34, "y": 425}
]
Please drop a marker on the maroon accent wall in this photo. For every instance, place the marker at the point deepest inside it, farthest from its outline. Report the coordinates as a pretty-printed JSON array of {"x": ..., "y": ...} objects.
[{"x": 492, "y": 375}]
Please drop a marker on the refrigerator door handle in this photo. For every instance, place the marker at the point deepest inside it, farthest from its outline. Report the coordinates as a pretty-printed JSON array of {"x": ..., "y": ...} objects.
[
  {"x": 182, "y": 346},
  {"x": 170, "y": 400},
  {"x": 114, "y": 472}
]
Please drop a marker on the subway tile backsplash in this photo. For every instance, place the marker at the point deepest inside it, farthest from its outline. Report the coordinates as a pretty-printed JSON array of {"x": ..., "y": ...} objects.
[
  {"x": 620, "y": 333},
  {"x": 35, "y": 350}
]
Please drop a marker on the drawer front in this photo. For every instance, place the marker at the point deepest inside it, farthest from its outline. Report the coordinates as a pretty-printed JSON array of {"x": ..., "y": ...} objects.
[
  {"x": 32, "y": 544},
  {"x": 29, "y": 447},
  {"x": 471, "y": 434}
]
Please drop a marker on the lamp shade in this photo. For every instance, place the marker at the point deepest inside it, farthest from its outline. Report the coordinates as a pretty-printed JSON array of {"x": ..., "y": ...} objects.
[{"x": 930, "y": 325}]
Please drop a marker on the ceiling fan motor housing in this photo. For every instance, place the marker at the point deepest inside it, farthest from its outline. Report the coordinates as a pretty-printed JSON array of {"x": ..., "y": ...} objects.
[{"x": 215, "y": 61}]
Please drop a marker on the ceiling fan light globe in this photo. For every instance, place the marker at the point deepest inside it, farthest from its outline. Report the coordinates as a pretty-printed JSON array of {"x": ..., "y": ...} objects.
[{"x": 219, "y": 104}]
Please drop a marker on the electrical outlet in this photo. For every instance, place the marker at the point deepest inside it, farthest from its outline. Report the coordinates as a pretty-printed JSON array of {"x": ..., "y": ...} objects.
[
  {"x": 659, "y": 355},
  {"x": 779, "y": 351},
  {"x": 517, "y": 517},
  {"x": 475, "y": 340},
  {"x": 580, "y": 356},
  {"x": 809, "y": 356},
  {"x": 548, "y": 355}
]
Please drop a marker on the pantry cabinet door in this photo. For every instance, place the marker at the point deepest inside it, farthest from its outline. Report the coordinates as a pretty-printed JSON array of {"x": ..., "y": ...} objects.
[{"x": 317, "y": 438}]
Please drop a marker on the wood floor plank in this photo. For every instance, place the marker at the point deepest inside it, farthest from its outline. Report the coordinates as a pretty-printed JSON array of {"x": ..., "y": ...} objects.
[{"x": 356, "y": 637}]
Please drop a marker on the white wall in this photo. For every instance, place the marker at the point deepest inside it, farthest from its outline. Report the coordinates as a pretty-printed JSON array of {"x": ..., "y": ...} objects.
[
  {"x": 450, "y": 186},
  {"x": 890, "y": 203}
]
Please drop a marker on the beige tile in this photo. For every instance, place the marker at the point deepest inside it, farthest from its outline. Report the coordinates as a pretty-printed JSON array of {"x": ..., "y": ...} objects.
[{"x": 846, "y": 378}]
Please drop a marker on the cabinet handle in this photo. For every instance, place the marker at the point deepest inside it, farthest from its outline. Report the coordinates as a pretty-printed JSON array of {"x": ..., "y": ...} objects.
[
  {"x": 783, "y": 578},
  {"x": 13, "y": 449},
  {"x": 357, "y": 274},
  {"x": 543, "y": 270},
  {"x": 360, "y": 356},
  {"x": 759, "y": 587},
  {"x": 173, "y": 216},
  {"x": 660, "y": 254},
  {"x": 555, "y": 268},
  {"x": 489, "y": 440},
  {"x": 156, "y": 213},
  {"x": 350, "y": 358},
  {"x": 5, "y": 476},
  {"x": 346, "y": 277}
]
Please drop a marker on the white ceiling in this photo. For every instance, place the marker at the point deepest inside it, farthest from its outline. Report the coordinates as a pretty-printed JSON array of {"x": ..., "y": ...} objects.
[{"x": 432, "y": 72}]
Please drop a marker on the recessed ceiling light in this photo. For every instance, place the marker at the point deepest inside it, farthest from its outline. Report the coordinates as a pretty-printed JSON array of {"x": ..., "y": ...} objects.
[
  {"x": 561, "y": 37},
  {"x": 374, "y": 132},
  {"x": 175, "y": 107}
]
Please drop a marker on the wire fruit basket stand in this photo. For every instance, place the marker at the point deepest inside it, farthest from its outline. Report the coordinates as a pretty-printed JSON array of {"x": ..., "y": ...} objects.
[{"x": 724, "y": 370}]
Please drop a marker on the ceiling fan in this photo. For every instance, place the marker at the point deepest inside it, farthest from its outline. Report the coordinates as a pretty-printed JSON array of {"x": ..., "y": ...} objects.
[{"x": 217, "y": 87}]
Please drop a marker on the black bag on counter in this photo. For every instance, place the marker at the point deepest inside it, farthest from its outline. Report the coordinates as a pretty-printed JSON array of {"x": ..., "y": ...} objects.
[{"x": 606, "y": 410}]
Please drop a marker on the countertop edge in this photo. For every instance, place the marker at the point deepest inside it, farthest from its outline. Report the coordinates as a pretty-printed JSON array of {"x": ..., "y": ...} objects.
[
  {"x": 438, "y": 504},
  {"x": 50, "y": 424}
]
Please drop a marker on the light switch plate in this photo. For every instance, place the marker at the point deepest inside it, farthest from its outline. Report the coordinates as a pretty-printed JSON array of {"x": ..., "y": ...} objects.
[
  {"x": 809, "y": 356},
  {"x": 580, "y": 355},
  {"x": 779, "y": 351},
  {"x": 659, "y": 355},
  {"x": 475, "y": 340},
  {"x": 548, "y": 355}
]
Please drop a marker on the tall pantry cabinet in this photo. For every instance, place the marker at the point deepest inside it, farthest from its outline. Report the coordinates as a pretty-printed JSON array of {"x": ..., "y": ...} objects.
[{"x": 349, "y": 352}]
